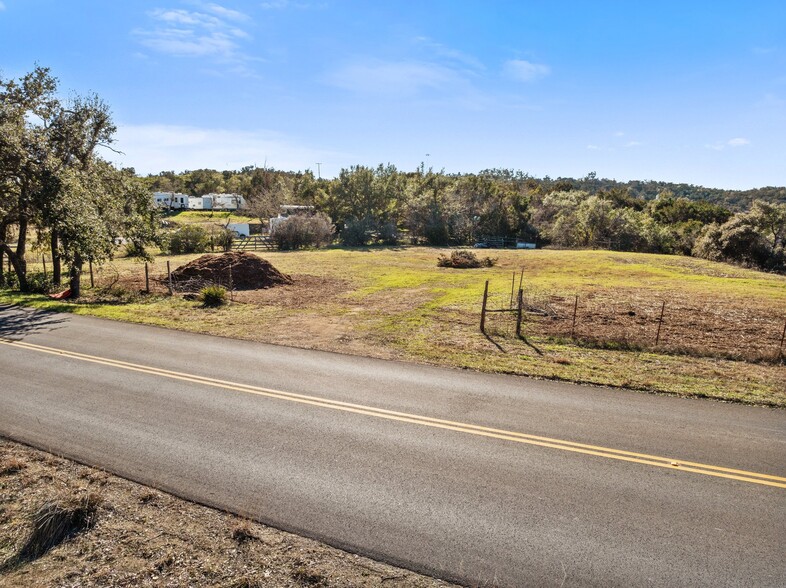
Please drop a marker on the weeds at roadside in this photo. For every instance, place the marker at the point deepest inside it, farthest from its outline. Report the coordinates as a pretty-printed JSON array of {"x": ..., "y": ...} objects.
[{"x": 52, "y": 523}]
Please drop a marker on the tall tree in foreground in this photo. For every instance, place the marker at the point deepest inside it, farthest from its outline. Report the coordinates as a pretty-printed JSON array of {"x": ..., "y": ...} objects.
[{"x": 52, "y": 179}]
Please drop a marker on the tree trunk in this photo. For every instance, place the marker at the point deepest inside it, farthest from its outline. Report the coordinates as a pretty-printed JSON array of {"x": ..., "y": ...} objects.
[
  {"x": 18, "y": 261},
  {"x": 3, "y": 235},
  {"x": 75, "y": 277},
  {"x": 56, "y": 271}
]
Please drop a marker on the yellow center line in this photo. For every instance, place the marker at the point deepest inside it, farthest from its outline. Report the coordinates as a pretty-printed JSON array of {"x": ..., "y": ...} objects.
[{"x": 582, "y": 448}]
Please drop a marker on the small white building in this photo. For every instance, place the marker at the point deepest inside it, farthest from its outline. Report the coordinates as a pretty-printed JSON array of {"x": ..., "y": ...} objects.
[{"x": 241, "y": 229}]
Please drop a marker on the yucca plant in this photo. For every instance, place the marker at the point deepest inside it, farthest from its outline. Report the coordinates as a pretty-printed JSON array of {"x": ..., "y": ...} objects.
[{"x": 213, "y": 296}]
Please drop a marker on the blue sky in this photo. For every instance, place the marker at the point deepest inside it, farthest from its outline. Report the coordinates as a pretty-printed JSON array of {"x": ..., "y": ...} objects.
[{"x": 686, "y": 91}]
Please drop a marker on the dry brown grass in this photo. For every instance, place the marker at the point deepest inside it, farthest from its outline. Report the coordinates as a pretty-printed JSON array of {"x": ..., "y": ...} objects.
[{"x": 144, "y": 537}]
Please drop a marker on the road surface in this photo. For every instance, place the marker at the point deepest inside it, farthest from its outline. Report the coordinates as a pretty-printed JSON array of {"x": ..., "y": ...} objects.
[{"x": 482, "y": 479}]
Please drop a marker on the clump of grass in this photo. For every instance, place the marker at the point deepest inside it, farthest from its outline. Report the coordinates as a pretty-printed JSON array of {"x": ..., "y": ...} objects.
[
  {"x": 306, "y": 577},
  {"x": 54, "y": 522},
  {"x": 464, "y": 260},
  {"x": 242, "y": 532},
  {"x": 213, "y": 296},
  {"x": 11, "y": 465}
]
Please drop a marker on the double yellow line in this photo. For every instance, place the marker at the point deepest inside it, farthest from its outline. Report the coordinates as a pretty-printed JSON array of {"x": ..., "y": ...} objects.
[{"x": 598, "y": 451}]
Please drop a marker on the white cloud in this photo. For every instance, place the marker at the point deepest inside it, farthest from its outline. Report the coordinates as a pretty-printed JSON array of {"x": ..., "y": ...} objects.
[
  {"x": 152, "y": 148},
  {"x": 2, "y": 6},
  {"x": 738, "y": 142},
  {"x": 593, "y": 147},
  {"x": 443, "y": 53},
  {"x": 525, "y": 71},
  {"x": 226, "y": 13},
  {"x": 195, "y": 33},
  {"x": 393, "y": 77},
  {"x": 633, "y": 144}
]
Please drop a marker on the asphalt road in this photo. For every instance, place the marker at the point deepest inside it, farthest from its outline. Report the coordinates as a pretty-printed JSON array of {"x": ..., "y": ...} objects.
[{"x": 482, "y": 479}]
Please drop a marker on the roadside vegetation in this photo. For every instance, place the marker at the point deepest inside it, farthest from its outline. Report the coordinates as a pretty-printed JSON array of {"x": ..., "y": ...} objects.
[{"x": 720, "y": 333}]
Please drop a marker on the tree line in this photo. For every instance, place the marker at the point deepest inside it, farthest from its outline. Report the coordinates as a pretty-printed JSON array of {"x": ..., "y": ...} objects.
[{"x": 385, "y": 205}]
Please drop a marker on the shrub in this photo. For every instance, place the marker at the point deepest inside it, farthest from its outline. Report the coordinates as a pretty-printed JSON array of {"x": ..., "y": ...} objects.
[
  {"x": 213, "y": 296},
  {"x": 39, "y": 283},
  {"x": 138, "y": 251},
  {"x": 224, "y": 239},
  {"x": 301, "y": 231},
  {"x": 464, "y": 260},
  {"x": 189, "y": 239},
  {"x": 388, "y": 234},
  {"x": 357, "y": 233}
]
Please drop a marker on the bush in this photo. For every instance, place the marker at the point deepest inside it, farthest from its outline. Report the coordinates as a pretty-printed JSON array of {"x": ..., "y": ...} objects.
[
  {"x": 224, "y": 239},
  {"x": 357, "y": 233},
  {"x": 301, "y": 231},
  {"x": 213, "y": 296},
  {"x": 137, "y": 251},
  {"x": 464, "y": 260},
  {"x": 189, "y": 239},
  {"x": 388, "y": 234},
  {"x": 38, "y": 283}
]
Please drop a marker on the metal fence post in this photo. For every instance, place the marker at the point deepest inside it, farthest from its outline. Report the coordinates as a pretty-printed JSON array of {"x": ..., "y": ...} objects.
[{"x": 660, "y": 322}]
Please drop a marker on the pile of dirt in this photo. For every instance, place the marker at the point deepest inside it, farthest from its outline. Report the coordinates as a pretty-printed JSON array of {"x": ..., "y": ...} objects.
[{"x": 236, "y": 270}]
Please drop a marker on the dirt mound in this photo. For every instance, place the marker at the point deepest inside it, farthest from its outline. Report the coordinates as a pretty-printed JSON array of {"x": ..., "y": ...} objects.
[{"x": 236, "y": 270}]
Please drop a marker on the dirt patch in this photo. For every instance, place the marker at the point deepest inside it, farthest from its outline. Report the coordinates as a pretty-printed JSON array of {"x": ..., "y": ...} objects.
[
  {"x": 144, "y": 537},
  {"x": 236, "y": 270},
  {"x": 671, "y": 321}
]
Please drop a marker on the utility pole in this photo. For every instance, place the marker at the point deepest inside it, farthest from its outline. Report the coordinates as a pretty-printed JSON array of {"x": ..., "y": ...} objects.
[{"x": 319, "y": 170}]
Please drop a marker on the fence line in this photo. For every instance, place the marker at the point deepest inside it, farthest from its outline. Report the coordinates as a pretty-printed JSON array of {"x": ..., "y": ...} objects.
[{"x": 620, "y": 320}]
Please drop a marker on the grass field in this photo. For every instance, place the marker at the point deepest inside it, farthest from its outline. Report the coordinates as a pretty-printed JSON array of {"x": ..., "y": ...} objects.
[
  {"x": 204, "y": 217},
  {"x": 720, "y": 333}
]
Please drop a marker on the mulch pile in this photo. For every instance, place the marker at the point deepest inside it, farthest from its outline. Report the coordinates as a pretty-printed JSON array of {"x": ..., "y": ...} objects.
[{"x": 237, "y": 270}]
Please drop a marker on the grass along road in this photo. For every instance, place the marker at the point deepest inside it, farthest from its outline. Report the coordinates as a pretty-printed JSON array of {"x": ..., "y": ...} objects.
[{"x": 396, "y": 303}]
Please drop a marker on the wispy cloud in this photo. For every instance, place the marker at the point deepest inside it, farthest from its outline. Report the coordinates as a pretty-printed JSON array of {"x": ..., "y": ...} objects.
[
  {"x": 2, "y": 6},
  {"x": 284, "y": 4},
  {"x": 397, "y": 78},
  {"x": 593, "y": 147},
  {"x": 633, "y": 144},
  {"x": 152, "y": 148},
  {"x": 443, "y": 53},
  {"x": 212, "y": 31},
  {"x": 525, "y": 71},
  {"x": 738, "y": 142},
  {"x": 735, "y": 142}
]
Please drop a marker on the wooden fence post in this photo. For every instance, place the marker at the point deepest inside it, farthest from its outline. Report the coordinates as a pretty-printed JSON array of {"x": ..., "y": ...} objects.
[
  {"x": 169, "y": 277},
  {"x": 520, "y": 312},
  {"x": 783, "y": 337},
  {"x": 483, "y": 309},
  {"x": 660, "y": 322},
  {"x": 147, "y": 279},
  {"x": 43, "y": 258},
  {"x": 92, "y": 279},
  {"x": 575, "y": 310},
  {"x": 521, "y": 278}
]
